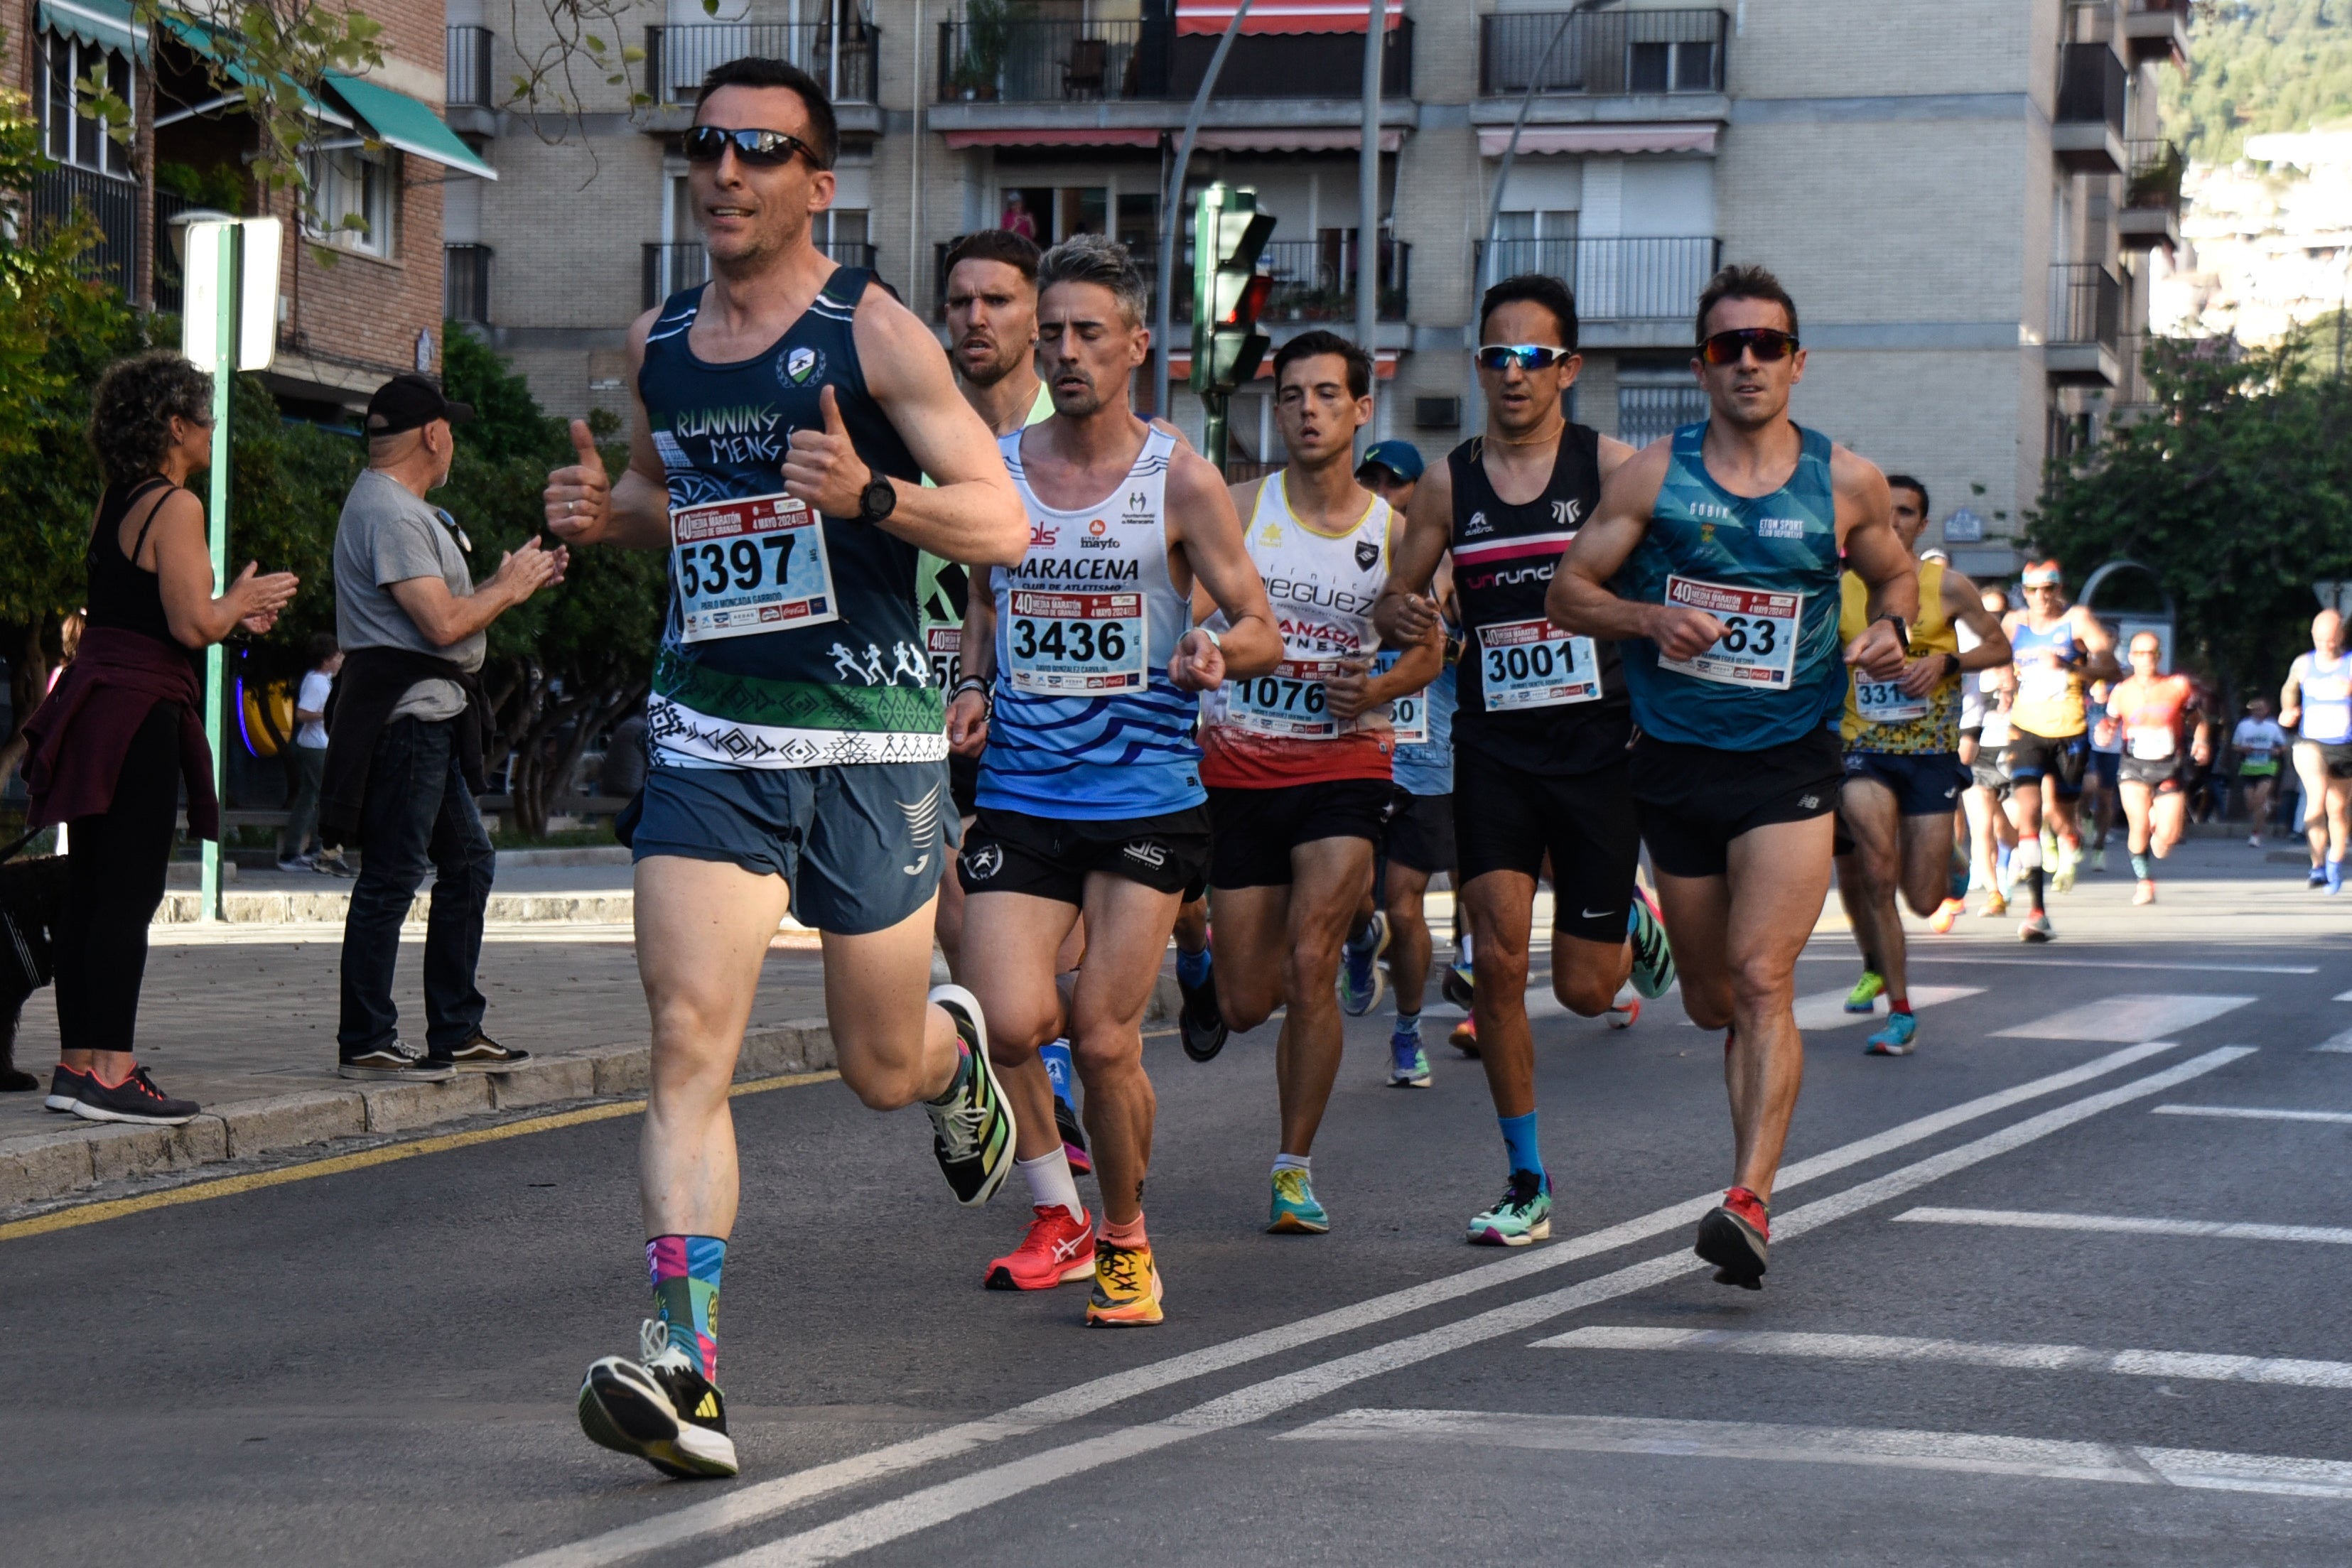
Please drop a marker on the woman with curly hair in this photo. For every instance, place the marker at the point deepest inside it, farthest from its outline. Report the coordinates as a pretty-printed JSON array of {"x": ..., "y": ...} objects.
[{"x": 114, "y": 741}]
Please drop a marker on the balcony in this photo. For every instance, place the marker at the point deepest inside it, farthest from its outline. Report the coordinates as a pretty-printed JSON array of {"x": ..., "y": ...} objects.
[
  {"x": 64, "y": 194},
  {"x": 1639, "y": 291},
  {"x": 2087, "y": 134},
  {"x": 466, "y": 284},
  {"x": 2156, "y": 30},
  {"x": 1314, "y": 280},
  {"x": 668, "y": 267},
  {"x": 678, "y": 57},
  {"x": 1608, "y": 53},
  {"x": 2133, "y": 399},
  {"x": 2150, "y": 215},
  {"x": 2086, "y": 309},
  {"x": 1097, "y": 62},
  {"x": 467, "y": 68}
]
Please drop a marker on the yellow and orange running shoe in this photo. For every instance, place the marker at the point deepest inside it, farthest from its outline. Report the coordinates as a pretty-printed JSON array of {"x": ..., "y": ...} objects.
[
  {"x": 1127, "y": 1287},
  {"x": 1950, "y": 911}
]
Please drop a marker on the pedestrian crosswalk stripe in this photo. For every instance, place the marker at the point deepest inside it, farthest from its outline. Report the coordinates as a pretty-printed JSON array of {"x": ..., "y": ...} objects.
[
  {"x": 1972, "y": 1453},
  {"x": 2130, "y": 1225},
  {"x": 2342, "y": 996},
  {"x": 2149, "y": 1016},
  {"x": 2186, "y": 1364},
  {"x": 1826, "y": 1009},
  {"x": 2252, "y": 1113},
  {"x": 2341, "y": 1043}
]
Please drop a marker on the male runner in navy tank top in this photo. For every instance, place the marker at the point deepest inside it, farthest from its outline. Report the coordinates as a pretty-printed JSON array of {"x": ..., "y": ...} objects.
[
  {"x": 1714, "y": 561},
  {"x": 1090, "y": 796},
  {"x": 1540, "y": 723},
  {"x": 785, "y": 413}
]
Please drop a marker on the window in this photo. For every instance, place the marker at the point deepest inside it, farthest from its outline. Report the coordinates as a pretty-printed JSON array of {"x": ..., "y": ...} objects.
[
  {"x": 348, "y": 182},
  {"x": 1646, "y": 412},
  {"x": 69, "y": 135}
]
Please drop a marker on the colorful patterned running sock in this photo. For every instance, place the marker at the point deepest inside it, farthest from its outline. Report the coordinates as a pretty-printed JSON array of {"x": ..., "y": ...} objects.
[
  {"x": 1192, "y": 968},
  {"x": 1519, "y": 1141},
  {"x": 963, "y": 1076},
  {"x": 2140, "y": 868},
  {"x": 685, "y": 1270},
  {"x": 1408, "y": 1027}
]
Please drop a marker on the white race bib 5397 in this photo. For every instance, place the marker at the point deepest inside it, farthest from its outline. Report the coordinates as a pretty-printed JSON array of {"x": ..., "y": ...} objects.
[{"x": 754, "y": 564}]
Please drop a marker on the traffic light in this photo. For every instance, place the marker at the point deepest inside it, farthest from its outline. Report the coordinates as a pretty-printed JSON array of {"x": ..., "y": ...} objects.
[{"x": 1228, "y": 232}]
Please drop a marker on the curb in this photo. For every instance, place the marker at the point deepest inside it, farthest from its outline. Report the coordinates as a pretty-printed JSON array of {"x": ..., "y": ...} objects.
[
  {"x": 182, "y": 907},
  {"x": 40, "y": 1167}
]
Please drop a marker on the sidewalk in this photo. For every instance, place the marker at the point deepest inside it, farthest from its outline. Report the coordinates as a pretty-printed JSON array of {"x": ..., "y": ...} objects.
[{"x": 596, "y": 890}]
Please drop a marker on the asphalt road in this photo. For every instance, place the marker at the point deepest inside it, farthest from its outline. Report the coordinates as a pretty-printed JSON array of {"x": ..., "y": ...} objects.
[{"x": 1999, "y": 1326}]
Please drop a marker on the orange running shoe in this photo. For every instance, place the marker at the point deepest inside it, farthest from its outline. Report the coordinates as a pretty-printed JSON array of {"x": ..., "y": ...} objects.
[
  {"x": 1946, "y": 913},
  {"x": 1465, "y": 1038},
  {"x": 1056, "y": 1250},
  {"x": 1127, "y": 1287}
]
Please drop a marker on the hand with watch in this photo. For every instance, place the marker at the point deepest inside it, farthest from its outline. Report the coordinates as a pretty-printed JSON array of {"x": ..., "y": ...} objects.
[
  {"x": 1197, "y": 664},
  {"x": 823, "y": 471},
  {"x": 969, "y": 707},
  {"x": 1883, "y": 652}
]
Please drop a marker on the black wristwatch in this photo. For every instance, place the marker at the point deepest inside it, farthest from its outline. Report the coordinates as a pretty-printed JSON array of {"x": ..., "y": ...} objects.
[
  {"x": 876, "y": 501},
  {"x": 1902, "y": 629},
  {"x": 1954, "y": 659}
]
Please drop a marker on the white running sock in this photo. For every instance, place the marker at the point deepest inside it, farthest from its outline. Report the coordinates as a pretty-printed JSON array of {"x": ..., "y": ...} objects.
[
  {"x": 1293, "y": 1163},
  {"x": 1050, "y": 1182}
]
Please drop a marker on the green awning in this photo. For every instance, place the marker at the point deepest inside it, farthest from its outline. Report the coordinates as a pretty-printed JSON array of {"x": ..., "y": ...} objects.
[
  {"x": 108, "y": 24},
  {"x": 399, "y": 121},
  {"x": 198, "y": 35}
]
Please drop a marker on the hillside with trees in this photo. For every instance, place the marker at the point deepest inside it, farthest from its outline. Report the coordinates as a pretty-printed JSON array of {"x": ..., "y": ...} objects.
[{"x": 2260, "y": 66}]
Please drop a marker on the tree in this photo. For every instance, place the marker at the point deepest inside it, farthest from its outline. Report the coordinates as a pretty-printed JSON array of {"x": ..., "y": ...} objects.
[{"x": 2237, "y": 495}]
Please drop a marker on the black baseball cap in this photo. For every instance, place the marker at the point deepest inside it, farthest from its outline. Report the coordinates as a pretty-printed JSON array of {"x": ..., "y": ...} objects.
[{"x": 411, "y": 401}]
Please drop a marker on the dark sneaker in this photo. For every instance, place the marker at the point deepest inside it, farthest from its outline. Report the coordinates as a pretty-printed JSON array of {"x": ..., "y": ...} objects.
[
  {"x": 1201, "y": 1024},
  {"x": 661, "y": 1410},
  {"x": 972, "y": 1133},
  {"x": 1359, "y": 968},
  {"x": 330, "y": 862},
  {"x": 1735, "y": 1237},
  {"x": 1456, "y": 985},
  {"x": 1653, "y": 961},
  {"x": 1074, "y": 1138},
  {"x": 481, "y": 1055},
  {"x": 65, "y": 1088},
  {"x": 135, "y": 1098},
  {"x": 397, "y": 1060},
  {"x": 297, "y": 863}
]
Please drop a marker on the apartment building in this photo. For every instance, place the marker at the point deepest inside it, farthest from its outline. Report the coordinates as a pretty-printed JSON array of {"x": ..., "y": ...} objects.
[
  {"x": 361, "y": 294},
  {"x": 1961, "y": 196}
]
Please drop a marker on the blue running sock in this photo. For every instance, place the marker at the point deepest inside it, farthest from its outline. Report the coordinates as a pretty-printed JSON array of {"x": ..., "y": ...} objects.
[
  {"x": 1192, "y": 968},
  {"x": 1059, "y": 1068},
  {"x": 1408, "y": 1027},
  {"x": 685, "y": 1271},
  {"x": 2000, "y": 857},
  {"x": 2140, "y": 868},
  {"x": 1519, "y": 1141}
]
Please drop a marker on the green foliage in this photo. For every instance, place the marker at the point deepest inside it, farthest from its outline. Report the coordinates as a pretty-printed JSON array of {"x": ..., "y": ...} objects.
[
  {"x": 222, "y": 187},
  {"x": 2261, "y": 66},
  {"x": 2238, "y": 496}
]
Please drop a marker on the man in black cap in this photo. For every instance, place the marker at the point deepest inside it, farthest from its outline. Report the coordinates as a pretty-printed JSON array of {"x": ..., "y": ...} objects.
[{"x": 404, "y": 738}]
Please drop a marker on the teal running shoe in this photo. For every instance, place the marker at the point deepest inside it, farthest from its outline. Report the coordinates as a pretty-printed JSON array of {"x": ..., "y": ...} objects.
[
  {"x": 1408, "y": 1063},
  {"x": 1866, "y": 991},
  {"x": 1359, "y": 969},
  {"x": 1295, "y": 1211},
  {"x": 1895, "y": 1038},
  {"x": 1523, "y": 1213},
  {"x": 1653, "y": 961}
]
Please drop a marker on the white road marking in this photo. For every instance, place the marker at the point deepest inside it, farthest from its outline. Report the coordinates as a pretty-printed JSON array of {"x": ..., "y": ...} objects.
[
  {"x": 2342, "y": 996},
  {"x": 2337, "y": 1042},
  {"x": 1915, "y": 956},
  {"x": 2130, "y": 1225},
  {"x": 1968, "y": 1452},
  {"x": 903, "y": 1516},
  {"x": 1826, "y": 1009},
  {"x": 2185, "y": 1364},
  {"x": 2252, "y": 1114},
  {"x": 2126, "y": 1017}
]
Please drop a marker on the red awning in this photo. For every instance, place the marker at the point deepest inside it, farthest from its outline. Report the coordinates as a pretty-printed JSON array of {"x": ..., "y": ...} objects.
[
  {"x": 1090, "y": 137},
  {"x": 1283, "y": 16}
]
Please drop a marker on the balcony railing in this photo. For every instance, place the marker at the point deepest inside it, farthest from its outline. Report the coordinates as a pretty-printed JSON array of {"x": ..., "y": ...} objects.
[
  {"x": 466, "y": 61},
  {"x": 1614, "y": 278},
  {"x": 2093, "y": 84},
  {"x": 667, "y": 268},
  {"x": 2157, "y": 169},
  {"x": 1645, "y": 414},
  {"x": 465, "y": 283},
  {"x": 65, "y": 192},
  {"x": 1603, "y": 53},
  {"x": 678, "y": 57},
  {"x": 1076, "y": 62},
  {"x": 1314, "y": 279},
  {"x": 2086, "y": 304}
]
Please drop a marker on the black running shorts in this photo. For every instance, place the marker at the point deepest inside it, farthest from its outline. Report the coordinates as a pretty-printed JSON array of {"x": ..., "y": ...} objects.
[
  {"x": 1256, "y": 830},
  {"x": 1049, "y": 857},
  {"x": 2062, "y": 758},
  {"x": 1506, "y": 819},
  {"x": 1694, "y": 800},
  {"x": 1421, "y": 834},
  {"x": 1924, "y": 784},
  {"x": 2162, "y": 775}
]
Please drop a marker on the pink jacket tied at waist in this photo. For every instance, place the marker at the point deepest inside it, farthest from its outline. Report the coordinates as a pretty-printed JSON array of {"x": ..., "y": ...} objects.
[{"x": 81, "y": 732}]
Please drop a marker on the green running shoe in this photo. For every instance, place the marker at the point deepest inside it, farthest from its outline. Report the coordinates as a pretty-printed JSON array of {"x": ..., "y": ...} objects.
[
  {"x": 973, "y": 1134},
  {"x": 1653, "y": 961},
  {"x": 1408, "y": 1063},
  {"x": 1523, "y": 1213},
  {"x": 1295, "y": 1208},
  {"x": 1866, "y": 991}
]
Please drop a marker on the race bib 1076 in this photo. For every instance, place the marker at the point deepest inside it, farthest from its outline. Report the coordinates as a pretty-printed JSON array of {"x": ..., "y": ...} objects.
[
  {"x": 1534, "y": 664},
  {"x": 754, "y": 564},
  {"x": 1075, "y": 645},
  {"x": 1291, "y": 702},
  {"x": 1758, "y": 645}
]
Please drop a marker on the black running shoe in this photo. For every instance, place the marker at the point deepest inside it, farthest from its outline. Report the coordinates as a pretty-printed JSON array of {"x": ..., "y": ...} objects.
[
  {"x": 1735, "y": 1237},
  {"x": 1074, "y": 1138},
  {"x": 973, "y": 1134},
  {"x": 135, "y": 1098},
  {"x": 1201, "y": 1024},
  {"x": 397, "y": 1060},
  {"x": 481, "y": 1055},
  {"x": 1456, "y": 987},
  {"x": 65, "y": 1088},
  {"x": 662, "y": 1410}
]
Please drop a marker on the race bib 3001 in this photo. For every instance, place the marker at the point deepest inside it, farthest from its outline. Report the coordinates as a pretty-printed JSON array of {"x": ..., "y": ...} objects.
[
  {"x": 1075, "y": 645},
  {"x": 1534, "y": 664},
  {"x": 754, "y": 564},
  {"x": 1758, "y": 645}
]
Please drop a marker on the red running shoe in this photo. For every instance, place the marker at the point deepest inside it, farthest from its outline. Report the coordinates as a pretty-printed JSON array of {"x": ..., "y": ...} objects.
[
  {"x": 1734, "y": 1237},
  {"x": 1056, "y": 1250}
]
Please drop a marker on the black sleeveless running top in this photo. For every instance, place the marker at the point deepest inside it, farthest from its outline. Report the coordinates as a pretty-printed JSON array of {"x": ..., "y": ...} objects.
[
  {"x": 1504, "y": 556},
  {"x": 122, "y": 595}
]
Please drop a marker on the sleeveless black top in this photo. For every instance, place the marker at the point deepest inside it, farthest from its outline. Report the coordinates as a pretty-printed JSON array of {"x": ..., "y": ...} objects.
[
  {"x": 122, "y": 595},
  {"x": 1504, "y": 558}
]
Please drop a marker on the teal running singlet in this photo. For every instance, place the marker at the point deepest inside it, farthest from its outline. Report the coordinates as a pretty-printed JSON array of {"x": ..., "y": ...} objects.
[
  {"x": 1767, "y": 568},
  {"x": 793, "y": 640}
]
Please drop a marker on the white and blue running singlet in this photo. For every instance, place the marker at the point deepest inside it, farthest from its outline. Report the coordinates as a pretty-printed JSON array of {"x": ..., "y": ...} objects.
[
  {"x": 1767, "y": 568},
  {"x": 1087, "y": 724},
  {"x": 2325, "y": 687}
]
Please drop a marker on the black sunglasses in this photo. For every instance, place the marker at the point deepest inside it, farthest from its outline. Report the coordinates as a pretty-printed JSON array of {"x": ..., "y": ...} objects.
[
  {"x": 759, "y": 149},
  {"x": 1526, "y": 355},
  {"x": 1770, "y": 343}
]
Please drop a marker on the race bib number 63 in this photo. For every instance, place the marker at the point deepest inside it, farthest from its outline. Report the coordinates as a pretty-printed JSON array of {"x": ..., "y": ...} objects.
[{"x": 1758, "y": 645}]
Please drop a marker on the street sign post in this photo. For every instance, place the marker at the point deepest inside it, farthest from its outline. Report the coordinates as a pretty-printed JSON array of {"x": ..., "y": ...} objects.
[
  {"x": 1228, "y": 234},
  {"x": 228, "y": 323}
]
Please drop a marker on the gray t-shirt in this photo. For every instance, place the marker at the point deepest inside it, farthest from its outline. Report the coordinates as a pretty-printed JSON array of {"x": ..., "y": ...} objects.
[{"x": 387, "y": 535}]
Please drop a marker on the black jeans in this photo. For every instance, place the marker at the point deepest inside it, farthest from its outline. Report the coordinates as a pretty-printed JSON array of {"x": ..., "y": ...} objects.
[
  {"x": 419, "y": 813},
  {"x": 115, "y": 862}
]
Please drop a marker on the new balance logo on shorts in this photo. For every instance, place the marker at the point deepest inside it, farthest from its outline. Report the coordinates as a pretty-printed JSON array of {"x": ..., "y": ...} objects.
[
  {"x": 1143, "y": 852},
  {"x": 1808, "y": 802}
]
